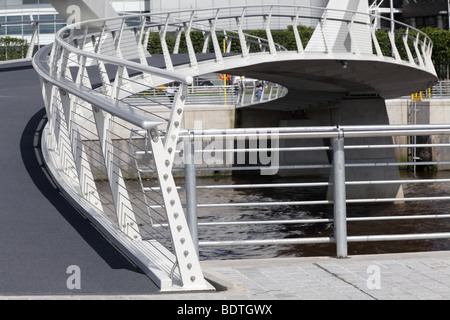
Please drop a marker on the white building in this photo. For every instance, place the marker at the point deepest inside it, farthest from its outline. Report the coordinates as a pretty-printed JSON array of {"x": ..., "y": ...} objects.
[
  {"x": 175, "y": 5},
  {"x": 19, "y": 12},
  {"x": 164, "y": 5}
]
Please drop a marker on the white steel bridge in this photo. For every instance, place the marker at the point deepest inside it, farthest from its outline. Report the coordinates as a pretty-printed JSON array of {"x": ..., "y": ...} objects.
[{"x": 89, "y": 74}]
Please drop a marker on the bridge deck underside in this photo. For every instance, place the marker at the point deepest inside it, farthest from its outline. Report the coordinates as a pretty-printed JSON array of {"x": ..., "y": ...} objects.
[
  {"x": 312, "y": 82},
  {"x": 319, "y": 83}
]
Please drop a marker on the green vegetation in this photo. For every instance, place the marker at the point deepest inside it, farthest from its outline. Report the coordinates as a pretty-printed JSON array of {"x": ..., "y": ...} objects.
[
  {"x": 441, "y": 50},
  {"x": 286, "y": 38},
  {"x": 12, "y": 48}
]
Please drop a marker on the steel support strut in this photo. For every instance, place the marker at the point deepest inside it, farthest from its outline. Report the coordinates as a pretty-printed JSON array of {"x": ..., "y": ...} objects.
[{"x": 163, "y": 152}]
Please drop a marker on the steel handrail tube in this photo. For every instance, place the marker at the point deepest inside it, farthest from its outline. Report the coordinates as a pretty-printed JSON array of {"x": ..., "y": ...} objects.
[
  {"x": 122, "y": 62},
  {"x": 318, "y": 221},
  {"x": 321, "y": 132},
  {"x": 91, "y": 96},
  {"x": 314, "y": 240}
]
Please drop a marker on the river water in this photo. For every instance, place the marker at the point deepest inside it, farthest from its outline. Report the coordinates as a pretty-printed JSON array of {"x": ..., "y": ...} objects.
[{"x": 286, "y": 231}]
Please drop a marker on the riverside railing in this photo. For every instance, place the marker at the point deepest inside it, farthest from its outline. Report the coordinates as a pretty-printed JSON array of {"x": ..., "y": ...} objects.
[
  {"x": 441, "y": 90},
  {"x": 344, "y": 140}
]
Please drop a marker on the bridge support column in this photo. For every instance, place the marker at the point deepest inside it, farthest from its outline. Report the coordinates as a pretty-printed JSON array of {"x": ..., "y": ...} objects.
[
  {"x": 364, "y": 111},
  {"x": 371, "y": 111}
]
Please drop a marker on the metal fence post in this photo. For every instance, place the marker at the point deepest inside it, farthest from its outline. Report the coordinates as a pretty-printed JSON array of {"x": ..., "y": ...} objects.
[
  {"x": 340, "y": 206},
  {"x": 35, "y": 26},
  {"x": 191, "y": 190}
]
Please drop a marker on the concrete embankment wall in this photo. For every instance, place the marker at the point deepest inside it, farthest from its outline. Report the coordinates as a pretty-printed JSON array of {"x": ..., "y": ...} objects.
[{"x": 429, "y": 111}]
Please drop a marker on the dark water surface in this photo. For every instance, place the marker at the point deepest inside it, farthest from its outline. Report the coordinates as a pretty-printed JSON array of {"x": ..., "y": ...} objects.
[{"x": 285, "y": 231}]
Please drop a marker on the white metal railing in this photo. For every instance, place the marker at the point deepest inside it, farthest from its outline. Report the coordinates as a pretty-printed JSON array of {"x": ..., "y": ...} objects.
[
  {"x": 241, "y": 94},
  {"x": 197, "y": 95},
  {"x": 96, "y": 138},
  {"x": 441, "y": 90}
]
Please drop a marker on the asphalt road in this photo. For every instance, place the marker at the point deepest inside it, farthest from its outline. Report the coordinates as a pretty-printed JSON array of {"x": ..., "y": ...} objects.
[{"x": 41, "y": 235}]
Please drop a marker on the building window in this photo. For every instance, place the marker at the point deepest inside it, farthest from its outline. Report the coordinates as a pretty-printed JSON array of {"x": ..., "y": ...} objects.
[{"x": 35, "y": 1}]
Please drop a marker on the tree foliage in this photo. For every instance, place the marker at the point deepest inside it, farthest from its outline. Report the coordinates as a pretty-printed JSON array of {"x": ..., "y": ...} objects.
[
  {"x": 12, "y": 48},
  {"x": 286, "y": 38},
  {"x": 441, "y": 50}
]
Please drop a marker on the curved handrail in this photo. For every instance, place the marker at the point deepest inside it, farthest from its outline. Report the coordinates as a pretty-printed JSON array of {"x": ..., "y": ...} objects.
[
  {"x": 369, "y": 15},
  {"x": 121, "y": 62},
  {"x": 91, "y": 96}
]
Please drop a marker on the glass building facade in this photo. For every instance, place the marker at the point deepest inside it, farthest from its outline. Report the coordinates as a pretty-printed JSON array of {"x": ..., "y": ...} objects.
[
  {"x": 19, "y": 14},
  {"x": 426, "y": 13},
  {"x": 422, "y": 13}
]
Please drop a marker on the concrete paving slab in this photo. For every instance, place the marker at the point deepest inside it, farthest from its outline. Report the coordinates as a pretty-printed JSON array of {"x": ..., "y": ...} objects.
[{"x": 366, "y": 277}]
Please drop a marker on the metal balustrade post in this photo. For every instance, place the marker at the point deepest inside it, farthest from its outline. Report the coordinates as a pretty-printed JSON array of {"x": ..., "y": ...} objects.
[
  {"x": 273, "y": 50},
  {"x": 122, "y": 204},
  {"x": 215, "y": 41},
  {"x": 242, "y": 40},
  {"x": 189, "y": 44},
  {"x": 375, "y": 42},
  {"x": 298, "y": 40},
  {"x": 340, "y": 198},
  {"x": 395, "y": 53},
  {"x": 191, "y": 190},
  {"x": 164, "y": 46},
  {"x": 406, "y": 44},
  {"x": 35, "y": 26},
  {"x": 418, "y": 53},
  {"x": 323, "y": 23}
]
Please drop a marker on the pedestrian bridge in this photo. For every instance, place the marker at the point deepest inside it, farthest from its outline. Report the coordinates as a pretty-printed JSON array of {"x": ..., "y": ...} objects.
[{"x": 96, "y": 137}]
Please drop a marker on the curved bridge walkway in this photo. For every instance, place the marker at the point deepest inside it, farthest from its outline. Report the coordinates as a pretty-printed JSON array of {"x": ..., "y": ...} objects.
[{"x": 41, "y": 235}]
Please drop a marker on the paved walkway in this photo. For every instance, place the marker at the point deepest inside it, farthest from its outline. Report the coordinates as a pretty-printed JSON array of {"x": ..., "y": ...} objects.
[
  {"x": 391, "y": 276},
  {"x": 408, "y": 276}
]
